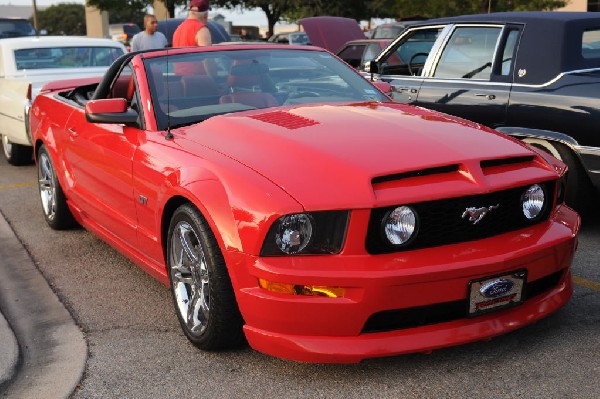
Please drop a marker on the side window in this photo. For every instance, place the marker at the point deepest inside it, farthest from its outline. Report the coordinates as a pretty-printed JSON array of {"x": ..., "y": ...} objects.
[
  {"x": 413, "y": 49},
  {"x": 590, "y": 44},
  {"x": 469, "y": 53},
  {"x": 509, "y": 51},
  {"x": 352, "y": 54},
  {"x": 371, "y": 52}
]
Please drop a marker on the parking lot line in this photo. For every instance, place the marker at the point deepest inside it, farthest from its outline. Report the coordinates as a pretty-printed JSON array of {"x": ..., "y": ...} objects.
[
  {"x": 17, "y": 185},
  {"x": 592, "y": 285}
]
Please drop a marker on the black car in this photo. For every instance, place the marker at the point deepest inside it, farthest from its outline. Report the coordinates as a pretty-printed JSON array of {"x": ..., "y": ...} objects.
[
  {"x": 532, "y": 75},
  {"x": 217, "y": 32}
]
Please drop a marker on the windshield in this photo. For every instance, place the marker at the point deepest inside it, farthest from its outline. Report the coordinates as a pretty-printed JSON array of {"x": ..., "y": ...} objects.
[
  {"x": 65, "y": 57},
  {"x": 193, "y": 87}
]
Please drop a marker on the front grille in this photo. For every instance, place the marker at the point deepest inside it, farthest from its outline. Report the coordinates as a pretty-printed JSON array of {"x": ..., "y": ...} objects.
[
  {"x": 399, "y": 319},
  {"x": 441, "y": 222}
]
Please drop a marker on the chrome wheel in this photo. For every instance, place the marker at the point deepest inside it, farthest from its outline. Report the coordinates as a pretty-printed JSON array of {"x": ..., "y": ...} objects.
[
  {"x": 7, "y": 146},
  {"x": 47, "y": 186},
  {"x": 190, "y": 278}
]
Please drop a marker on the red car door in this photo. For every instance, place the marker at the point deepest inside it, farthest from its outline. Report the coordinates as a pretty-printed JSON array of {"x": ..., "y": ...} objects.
[{"x": 99, "y": 157}]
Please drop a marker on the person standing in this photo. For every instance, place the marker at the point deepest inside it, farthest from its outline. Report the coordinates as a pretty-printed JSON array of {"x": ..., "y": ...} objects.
[
  {"x": 193, "y": 31},
  {"x": 149, "y": 38}
]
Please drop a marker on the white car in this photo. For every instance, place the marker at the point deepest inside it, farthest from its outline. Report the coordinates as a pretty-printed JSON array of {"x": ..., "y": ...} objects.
[{"x": 27, "y": 64}]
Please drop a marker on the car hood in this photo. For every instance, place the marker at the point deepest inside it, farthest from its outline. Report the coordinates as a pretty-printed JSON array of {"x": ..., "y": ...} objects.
[
  {"x": 326, "y": 156},
  {"x": 331, "y": 33}
]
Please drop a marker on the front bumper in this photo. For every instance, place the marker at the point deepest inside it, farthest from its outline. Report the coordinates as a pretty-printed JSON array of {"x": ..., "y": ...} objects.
[{"x": 331, "y": 330}]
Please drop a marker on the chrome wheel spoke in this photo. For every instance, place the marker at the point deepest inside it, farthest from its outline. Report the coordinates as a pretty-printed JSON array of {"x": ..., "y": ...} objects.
[
  {"x": 46, "y": 186},
  {"x": 190, "y": 278}
]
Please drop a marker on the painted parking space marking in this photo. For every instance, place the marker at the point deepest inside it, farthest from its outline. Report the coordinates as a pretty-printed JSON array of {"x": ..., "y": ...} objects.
[
  {"x": 592, "y": 285},
  {"x": 18, "y": 185}
]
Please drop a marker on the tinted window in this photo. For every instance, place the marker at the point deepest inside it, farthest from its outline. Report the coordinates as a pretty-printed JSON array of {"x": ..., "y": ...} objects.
[
  {"x": 468, "y": 54},
  {"x": 418, "y": 41},
  {"x": 66, "y": 57},
  {"x": 509, "y": 50},
  {"x": 590, "y": 44},
  {"x": 15, "y": 28},
  {"x": 352, "y": 54}
]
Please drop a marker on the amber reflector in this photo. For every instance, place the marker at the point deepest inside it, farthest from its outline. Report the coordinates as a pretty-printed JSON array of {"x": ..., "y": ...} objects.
[{"x": 306, "y": 290}]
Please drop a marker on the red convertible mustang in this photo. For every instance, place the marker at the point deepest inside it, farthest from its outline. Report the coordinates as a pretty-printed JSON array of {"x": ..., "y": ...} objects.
[{"x": 286, "y": 200}]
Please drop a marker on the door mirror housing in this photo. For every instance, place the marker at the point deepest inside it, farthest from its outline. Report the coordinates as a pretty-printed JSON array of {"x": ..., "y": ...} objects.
[
  {"x": 384, "y": 87},
  {"x": 110, "y": 110}
]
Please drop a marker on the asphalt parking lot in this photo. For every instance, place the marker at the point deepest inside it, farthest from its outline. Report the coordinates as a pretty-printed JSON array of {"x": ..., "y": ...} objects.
[{"x": 136, "y": 348}]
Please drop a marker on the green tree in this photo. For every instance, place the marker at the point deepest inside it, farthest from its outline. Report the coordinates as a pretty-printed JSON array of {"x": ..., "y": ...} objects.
[
  {"x": 443, "y": 8},
  {"x": 123, "y": 10},
  {"x": 63, "y": 19}
]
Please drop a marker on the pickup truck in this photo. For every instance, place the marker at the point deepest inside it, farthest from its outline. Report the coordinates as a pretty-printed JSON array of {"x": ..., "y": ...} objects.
[
  {"x": 531, "y": 75},
  {"x": 26, "y": 64}
]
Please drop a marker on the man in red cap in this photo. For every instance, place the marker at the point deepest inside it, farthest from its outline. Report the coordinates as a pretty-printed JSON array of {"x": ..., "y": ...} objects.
[{"x": 193, "y": 31}]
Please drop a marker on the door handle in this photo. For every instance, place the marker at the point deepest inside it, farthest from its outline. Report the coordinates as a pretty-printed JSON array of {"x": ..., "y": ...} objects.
[
  {"x": 401, "y": 89},
  {"x": 72, "y": 132},
  {"x": 488, "y": 96}
]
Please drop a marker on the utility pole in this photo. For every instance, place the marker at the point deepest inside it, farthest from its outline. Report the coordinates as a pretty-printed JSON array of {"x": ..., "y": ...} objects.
[{"x": 35, "y": 21}]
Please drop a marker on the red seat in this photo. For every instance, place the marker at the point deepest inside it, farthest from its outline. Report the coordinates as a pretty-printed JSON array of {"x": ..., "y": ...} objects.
[{"x": 246, "y": 81}]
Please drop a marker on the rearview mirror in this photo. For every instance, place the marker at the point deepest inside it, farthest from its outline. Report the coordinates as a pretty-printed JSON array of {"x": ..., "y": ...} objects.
[{"x": 110, "y": 110}]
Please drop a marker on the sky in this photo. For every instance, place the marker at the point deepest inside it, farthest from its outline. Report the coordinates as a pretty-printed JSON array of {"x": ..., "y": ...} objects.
[{"x": 248, "y": 17}]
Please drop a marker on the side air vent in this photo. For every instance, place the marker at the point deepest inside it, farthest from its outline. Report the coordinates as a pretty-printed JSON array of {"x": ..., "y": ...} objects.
[
  {"x": 415, "y": 173},
  {"x": 490, "y": 163}
]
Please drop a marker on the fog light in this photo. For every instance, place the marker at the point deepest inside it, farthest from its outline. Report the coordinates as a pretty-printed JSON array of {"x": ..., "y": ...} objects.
[
  {"x": 400, "y": 225},
  {"x": 305, "y": 290},
  {"x": 533, "y": 201}
]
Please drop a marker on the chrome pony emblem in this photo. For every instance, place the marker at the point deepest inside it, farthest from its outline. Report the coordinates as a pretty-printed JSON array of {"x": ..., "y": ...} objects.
[{"x": 476, "y": 214}]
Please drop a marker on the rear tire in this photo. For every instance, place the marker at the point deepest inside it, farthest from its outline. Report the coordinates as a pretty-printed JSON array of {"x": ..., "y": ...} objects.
[
  {"x": 54, "y": 203},
  {"x": 16, "y": 154},
  {"x": 580, "y": 191},
  {"x": 202, "y": 292}
]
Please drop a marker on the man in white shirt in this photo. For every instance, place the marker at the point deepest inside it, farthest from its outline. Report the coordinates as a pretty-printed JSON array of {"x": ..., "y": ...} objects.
[{"x": 149, "y": 38}]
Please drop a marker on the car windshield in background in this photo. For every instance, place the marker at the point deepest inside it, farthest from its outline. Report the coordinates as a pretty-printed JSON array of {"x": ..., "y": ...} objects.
[
  {"x": 66, "y": 57},
  {"x": 15, "y": 28},
  {"x": 193, "y": 87}
]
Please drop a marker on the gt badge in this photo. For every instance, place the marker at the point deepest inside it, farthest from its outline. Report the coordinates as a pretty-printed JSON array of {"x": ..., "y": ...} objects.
[{"x": 476, "y": 214}]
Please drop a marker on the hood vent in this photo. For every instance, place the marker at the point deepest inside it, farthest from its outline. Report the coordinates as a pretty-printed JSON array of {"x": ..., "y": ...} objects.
[
  {"x": 415, "y": 173},
  {"x": 285, "y": 119},
  {"x": 490, "y": 163}
]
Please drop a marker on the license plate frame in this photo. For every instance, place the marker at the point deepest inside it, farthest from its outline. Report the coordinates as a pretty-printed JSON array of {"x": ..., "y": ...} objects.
[{"x": 483, "y": 294}]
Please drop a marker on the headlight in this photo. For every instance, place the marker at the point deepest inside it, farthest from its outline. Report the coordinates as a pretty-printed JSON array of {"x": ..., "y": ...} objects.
[
  {"x": 533, "y": 201},
  {"x": 400, "y": 225},
  {"x": 308, "y": 233}
]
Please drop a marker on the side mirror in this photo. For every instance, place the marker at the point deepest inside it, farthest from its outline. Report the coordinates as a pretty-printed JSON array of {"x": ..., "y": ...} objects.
[
  {"x": 110, "y": 110},
  {"x": 372, "y": 67}
]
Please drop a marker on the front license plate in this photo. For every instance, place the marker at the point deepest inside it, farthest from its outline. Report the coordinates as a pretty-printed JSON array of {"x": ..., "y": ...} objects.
[{"x": 496, "y": 292}]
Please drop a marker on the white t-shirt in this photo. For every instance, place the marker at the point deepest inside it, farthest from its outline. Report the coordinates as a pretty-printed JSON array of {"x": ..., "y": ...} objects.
[{"x": 144, "y": 41}]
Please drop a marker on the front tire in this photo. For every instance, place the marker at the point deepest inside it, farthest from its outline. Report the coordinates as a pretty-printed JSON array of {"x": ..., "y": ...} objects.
[
  {"x": 16, "y": 154},
  {"x": 54, "y": 203},
  {"x": 202, "y": 293}
]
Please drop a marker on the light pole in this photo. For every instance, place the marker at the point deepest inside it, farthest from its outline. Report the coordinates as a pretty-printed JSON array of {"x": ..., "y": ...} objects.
[{"x": 35, "y": 21}]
